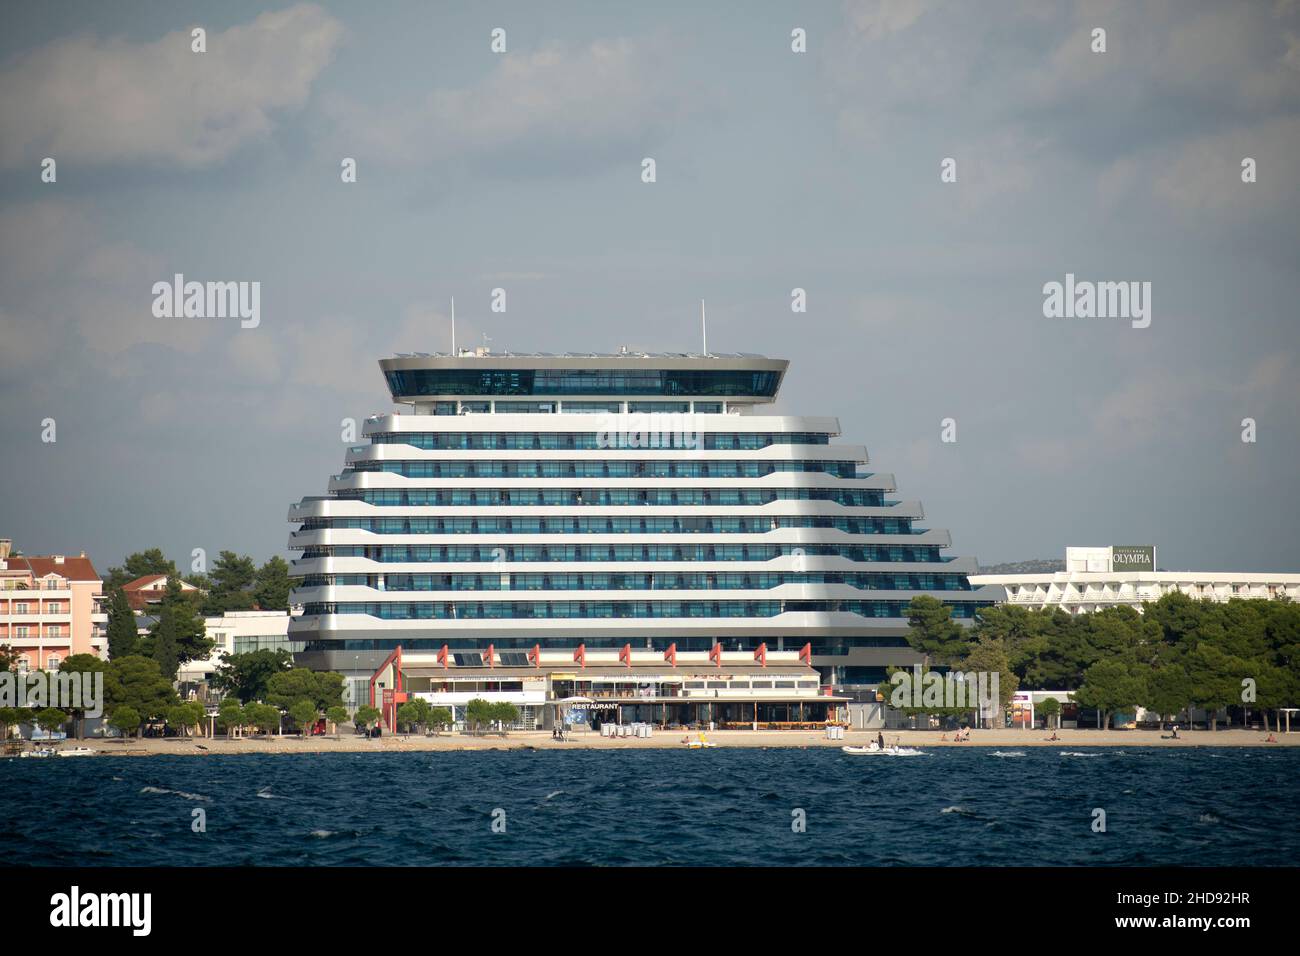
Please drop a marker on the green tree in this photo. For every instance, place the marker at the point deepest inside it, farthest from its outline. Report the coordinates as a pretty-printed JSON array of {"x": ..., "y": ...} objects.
[
  {"x": 505, "y": 714},
  {"x": 126, "y": 720},
  {"x": 123, "y": 631},
  {"x": 263, "y": 716},
  {"x": 273, "y": 585},
  {"x": 185, "y": 716},
  {"x": 12, "y": 717},
  {"x": 137, "y": 565},
  {"x": 1168, "y": 690},
  {"x": 51, "y": 719},
  {"x": 87, "y": 665},
  {"x": 230, "y": 714},
  {"x": 165, "y": 649},
  {"x": 304, "y": 714},
  {"x": 1050, "y": 708},
  {"x": 246, "y": 675},
  {"x": 1112, "y": 685},
  {"x": 1215, "y": 679},
  {"x": 989, "y": 656},
  {"x": 932, "y": 631},
  {"x": 414, "y": 713},
  {"x": 8, "y": 719},
  {"x": 190, "y": 633},
  {"x": 366, "y": 716},
  {"x": 440, "y": 718},
  {"x": 322, "y": 688},
  {"x": 136, "y": 682},
  {"x": 478, "y": 714},
  {"x": 337, "y": 715},
  {"x": 232, "y": 578}
]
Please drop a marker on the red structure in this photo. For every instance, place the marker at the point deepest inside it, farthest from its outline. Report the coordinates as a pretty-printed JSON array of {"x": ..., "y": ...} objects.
[{"x": 392, "y": 697}]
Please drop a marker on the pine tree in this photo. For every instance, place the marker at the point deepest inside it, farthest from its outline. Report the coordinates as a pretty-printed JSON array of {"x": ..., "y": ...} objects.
[
  {"x": 188, "y": 629},
  {"x": 273, "y": 585},
  {"x": 165, "y": 650},
  {"x": 122, "y": 629}
]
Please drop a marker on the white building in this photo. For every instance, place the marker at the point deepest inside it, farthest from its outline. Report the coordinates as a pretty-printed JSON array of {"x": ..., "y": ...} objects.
[
  {"x": 1096, "y": 578},
  {"x": 598, "y": 501},
  {"x": 239, "y": 632}
]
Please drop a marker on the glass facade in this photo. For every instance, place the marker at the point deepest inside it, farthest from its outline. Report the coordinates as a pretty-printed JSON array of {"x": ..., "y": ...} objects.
[
  {"x": 589, "y": 381},
  {"x": 767, "y": 533}
]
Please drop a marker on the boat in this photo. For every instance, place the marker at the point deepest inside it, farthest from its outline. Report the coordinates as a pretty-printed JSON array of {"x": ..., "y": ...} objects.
[
  {"x": 875, "y": 750},
  {"x": 76, "y": 752},
  {"x": 698, "y": 743},
  {"x": 39, "y": 752}
]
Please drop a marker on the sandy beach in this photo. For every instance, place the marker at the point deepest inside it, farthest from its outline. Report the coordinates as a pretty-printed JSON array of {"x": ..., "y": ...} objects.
[{"x": 349, "y": 743}]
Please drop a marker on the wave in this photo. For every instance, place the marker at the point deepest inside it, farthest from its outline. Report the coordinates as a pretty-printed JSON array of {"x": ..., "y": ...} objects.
[
  {"x": 180, "y": 793},
  {"x": 1007, "y": 753},
  {"x": 1076, "y": 753}
]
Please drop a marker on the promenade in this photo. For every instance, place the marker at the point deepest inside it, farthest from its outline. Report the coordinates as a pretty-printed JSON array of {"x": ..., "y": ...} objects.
[{"x": 924, "y": 739}]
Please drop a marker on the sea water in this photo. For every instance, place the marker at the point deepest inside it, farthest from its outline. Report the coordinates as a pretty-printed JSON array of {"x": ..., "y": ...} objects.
[{"x": 725, "y": 806}]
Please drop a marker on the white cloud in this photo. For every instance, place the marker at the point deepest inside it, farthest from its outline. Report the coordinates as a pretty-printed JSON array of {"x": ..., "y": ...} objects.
[
  {"x": 611, "y": 95},
  {"x": 92, "y": 100},
  {"x": 876, "y": 18}
]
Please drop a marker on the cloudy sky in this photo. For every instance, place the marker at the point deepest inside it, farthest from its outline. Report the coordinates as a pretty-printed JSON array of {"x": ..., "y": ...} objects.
[{"x": 775, "y": 170}]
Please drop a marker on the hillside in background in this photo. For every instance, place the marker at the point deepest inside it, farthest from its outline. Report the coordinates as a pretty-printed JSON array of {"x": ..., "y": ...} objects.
[{"x": 1039, "y": 566}]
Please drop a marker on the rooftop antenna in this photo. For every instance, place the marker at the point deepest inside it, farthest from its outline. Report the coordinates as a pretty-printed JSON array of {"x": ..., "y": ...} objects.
[
  {"x": 704, "y": 327},
  {"x": 453, "y": 326}
]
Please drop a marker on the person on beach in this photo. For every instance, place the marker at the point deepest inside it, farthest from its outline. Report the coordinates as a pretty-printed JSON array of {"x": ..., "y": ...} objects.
[
  {"x": 1271, "y": 738},
  {"x": 880, "y": 740}
]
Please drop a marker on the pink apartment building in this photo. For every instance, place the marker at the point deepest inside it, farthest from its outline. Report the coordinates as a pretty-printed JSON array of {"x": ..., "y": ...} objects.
[{"x": 50, "y": 607}]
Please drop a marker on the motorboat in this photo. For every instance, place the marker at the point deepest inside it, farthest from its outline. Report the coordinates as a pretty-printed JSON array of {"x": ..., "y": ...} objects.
[
  {"x": 875, "y": 750},
  {"x": 76, "y": 752},
  {"x": 39, "y": 752}
]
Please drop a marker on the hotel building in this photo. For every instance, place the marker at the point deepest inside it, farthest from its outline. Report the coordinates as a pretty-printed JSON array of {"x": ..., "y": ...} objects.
[
  {"x": 1101, "y": 577},
  {"x": 525, "y": 511},
  {"x": 50, "y": 608}
]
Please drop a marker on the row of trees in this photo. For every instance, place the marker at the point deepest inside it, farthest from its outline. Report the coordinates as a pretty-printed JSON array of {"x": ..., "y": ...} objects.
[
  {"x": 1178, "y": 653},
  {"x": 235, "y": 582},
  {"x": 137, "y": 691},
  {"x": 260, "y": 701},
  {"x": 479, "y": 714}
]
